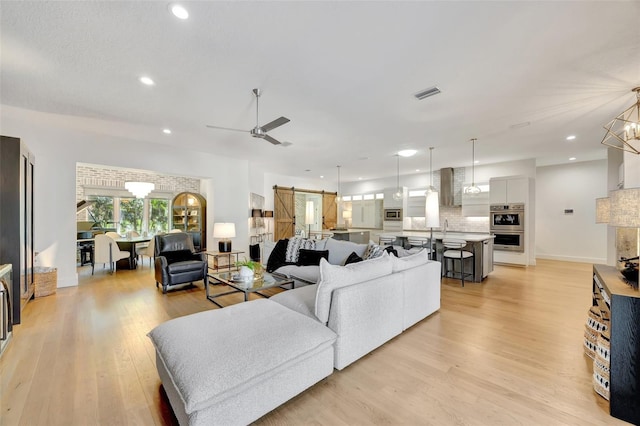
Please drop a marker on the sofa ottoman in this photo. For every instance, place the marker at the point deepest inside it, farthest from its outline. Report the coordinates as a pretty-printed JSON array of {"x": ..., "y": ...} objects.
[{"x": 233, "y": 365}]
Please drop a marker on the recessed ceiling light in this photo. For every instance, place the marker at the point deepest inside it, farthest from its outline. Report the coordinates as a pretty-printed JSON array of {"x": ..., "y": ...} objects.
[
  {"x": 476, "y": 162},
  {"x": 572, "y": 158},
  {"x": 146, "y": 80},
  {"x": 571, "y": 137},
  {"x": 360, "y": 178},
  {"x": 417, "y": 170},
  {"x": 407, "y": 152},
  {"x": 179, "y": 11},
  {"x": 166, "y": 131},
  {"x": 321, "y": 177}
]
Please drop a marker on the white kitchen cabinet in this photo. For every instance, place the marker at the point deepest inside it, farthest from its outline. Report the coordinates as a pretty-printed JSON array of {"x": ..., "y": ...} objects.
[
  {"x": 476, "y": 205},
  {"x": 390, "y": 203},
  {"x": 416, "y": 206},
  {"x": 509, "y": 190},
  {"x": 366, "y": 214}
]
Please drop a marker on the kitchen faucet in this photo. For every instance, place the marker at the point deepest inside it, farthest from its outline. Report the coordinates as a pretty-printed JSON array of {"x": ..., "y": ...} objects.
[{"x": 446, "y": 225}]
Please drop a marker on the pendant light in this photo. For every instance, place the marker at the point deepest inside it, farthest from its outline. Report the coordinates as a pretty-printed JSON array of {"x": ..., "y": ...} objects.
[
  {"x": 431, "y": 188},
  {"x": 398, "y": 194},
  {"x": 338, "y": 196},
  {"x": 432, "y": 204},
  {"x": 473, "y": 189},
  {"x": 623, "y": 132}
]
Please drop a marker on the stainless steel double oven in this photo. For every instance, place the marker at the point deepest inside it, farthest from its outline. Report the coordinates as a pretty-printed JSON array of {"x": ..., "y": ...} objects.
[{"x": 507, "y": 224}]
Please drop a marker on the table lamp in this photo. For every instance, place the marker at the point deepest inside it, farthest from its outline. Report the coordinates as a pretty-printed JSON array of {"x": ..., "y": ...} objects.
[{"x": 224, "y": 231}]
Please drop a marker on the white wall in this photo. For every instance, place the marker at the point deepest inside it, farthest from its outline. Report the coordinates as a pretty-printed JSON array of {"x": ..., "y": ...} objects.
[
  {"x": 271, "y": 179},
  {"x": 59, "y": 142},
  {"x": 574, "y": 237}
]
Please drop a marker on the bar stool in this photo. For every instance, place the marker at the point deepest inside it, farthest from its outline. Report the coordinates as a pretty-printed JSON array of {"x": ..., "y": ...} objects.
[
  {"x": 418, "y": 243},
  {"x": 454, "y": 250},
  {"x": 386, "y": 240}
]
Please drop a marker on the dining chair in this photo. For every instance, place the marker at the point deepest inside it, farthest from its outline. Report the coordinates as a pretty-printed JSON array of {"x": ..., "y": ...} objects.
[
  {"x": 106, "y": 250},
  {"x": 386, "y": 240},
  {"x": 113, "y": 235},
  {"x": 419, "y": 243},
  {"x": 454, "y": 250},
  {"x": 148, "y": 251}
]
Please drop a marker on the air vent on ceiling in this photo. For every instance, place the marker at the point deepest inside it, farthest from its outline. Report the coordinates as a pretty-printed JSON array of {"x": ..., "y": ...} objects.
[{"x": 427, "y": 92}]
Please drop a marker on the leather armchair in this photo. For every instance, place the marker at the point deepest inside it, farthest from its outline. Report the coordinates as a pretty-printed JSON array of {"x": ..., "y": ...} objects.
[{"x": 176, "y": 261}]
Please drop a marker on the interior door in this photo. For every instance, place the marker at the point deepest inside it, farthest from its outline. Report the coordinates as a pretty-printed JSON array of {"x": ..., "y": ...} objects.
[
  {"x": 283, "y": 213},
  {"x": 329, "y": 211}
]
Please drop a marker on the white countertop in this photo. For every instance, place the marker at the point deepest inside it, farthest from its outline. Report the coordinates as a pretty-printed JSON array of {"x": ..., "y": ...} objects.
[{"x": 469, "y": 236}]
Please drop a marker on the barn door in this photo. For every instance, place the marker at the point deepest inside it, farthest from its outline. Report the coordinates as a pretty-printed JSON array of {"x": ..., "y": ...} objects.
[
  {"x": 329, "y": 211},
  {"x": 283, "y": 213}
]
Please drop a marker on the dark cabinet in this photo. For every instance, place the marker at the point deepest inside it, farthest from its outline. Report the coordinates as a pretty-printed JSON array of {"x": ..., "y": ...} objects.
[
  {"x": 16, "y": 220},
  {"x": 188, "y": 214},
  {"x": 621, "y": 303}
]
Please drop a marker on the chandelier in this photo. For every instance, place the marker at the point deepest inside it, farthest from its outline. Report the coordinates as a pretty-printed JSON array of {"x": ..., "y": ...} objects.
[
  {"x": 625, "y": 128},
  {"x": 139, "y": 189}
]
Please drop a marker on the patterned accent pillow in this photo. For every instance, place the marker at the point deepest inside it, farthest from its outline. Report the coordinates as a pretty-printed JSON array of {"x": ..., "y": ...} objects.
[
  {"x": 294, "y": 246},
  {"x": 373, "y": 250}
]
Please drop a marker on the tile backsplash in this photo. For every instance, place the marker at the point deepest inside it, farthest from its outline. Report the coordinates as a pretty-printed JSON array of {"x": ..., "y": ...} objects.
[{"x": 456, "y": 221}]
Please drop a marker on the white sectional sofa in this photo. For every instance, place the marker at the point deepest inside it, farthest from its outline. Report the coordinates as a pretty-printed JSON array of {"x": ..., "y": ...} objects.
[
  {"x": 290, "y": 341},
  {"x": 368, "y": 303}
]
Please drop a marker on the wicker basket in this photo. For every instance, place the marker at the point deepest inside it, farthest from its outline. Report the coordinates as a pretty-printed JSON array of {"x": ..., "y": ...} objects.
[{"x": 46, "y": 280}]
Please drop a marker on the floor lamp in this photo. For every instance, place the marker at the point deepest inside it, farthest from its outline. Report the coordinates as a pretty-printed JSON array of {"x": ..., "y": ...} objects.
[{"x": 309, "y": 216}]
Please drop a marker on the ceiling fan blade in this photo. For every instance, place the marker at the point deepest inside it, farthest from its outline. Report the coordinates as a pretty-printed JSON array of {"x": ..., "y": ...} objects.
[
  {"x": 275, "y": 123},
  {"x": 272, "y": 140},
  {"x": 227, "y": 128}
]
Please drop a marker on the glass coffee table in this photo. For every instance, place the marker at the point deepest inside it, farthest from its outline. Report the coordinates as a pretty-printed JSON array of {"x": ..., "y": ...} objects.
[{"x": 258, "y": 284}]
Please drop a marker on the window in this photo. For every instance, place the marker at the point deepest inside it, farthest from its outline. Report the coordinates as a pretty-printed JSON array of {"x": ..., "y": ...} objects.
[
  {"x": 131, "y": 215},
  {"x": 101, "y": 211},
  {"x": 159, "y": 215}
]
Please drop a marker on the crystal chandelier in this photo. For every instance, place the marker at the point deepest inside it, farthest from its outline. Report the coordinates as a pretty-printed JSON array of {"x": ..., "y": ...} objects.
[
  {"x": 473, "y": 189},
  {"x": 625, "y": 128},
  {"x": 139, "y": 189}
]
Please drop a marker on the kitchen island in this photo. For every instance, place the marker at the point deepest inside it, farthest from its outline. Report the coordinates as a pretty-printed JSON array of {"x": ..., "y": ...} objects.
[{"x": 480, "y": 244}]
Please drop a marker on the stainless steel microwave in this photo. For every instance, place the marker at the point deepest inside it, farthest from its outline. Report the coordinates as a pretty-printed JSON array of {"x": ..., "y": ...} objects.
[{"x": 392, "y": 214}]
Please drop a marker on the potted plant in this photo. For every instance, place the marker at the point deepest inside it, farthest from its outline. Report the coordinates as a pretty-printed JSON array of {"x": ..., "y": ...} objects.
[{"x": 249, "y": 268}]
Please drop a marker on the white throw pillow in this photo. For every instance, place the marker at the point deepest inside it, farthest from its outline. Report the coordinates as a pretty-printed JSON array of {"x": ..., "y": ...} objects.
[
  {"x": 268, "y": 247},
  {"x": 339, "y": 250},
  {"x": 411, "y": 261},
  {"x": 335, "y": 276}
]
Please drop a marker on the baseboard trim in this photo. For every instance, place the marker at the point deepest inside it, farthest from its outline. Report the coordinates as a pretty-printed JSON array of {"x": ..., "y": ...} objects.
[{"x": 572, "y": 259}]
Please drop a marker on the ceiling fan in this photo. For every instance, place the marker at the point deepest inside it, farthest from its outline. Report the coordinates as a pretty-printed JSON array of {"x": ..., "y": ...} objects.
[{"x": 259, "y": 131}]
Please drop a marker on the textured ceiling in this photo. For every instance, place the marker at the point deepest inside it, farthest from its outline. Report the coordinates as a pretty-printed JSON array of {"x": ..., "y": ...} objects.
[{"x": 343, "y": 72}]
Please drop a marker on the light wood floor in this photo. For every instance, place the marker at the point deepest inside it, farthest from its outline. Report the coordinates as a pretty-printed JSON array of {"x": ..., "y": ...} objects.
[{"x": 504, "y": 352}]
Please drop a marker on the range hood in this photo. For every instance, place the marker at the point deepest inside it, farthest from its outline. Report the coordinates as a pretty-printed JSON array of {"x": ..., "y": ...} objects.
[{"x": 446, "y": 186}]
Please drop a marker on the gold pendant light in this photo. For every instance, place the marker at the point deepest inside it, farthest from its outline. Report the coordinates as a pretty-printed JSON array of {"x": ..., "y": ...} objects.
[{"x": 625, "y": 128}]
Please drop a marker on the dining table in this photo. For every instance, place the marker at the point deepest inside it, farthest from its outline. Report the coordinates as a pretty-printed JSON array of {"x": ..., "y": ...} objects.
[{"x": 129, "y": 244}]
